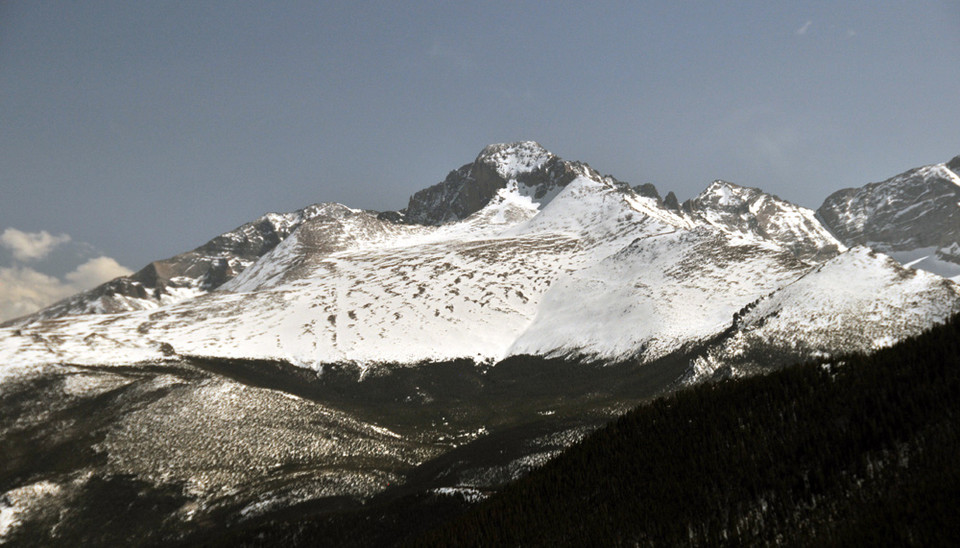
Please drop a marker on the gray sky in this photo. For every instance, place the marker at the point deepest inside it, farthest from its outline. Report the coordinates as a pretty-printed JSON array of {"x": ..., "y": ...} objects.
[{"x": 142, "y": 129}]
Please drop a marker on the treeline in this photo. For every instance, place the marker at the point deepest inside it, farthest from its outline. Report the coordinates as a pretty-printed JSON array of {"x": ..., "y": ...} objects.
[{"x": 859, "y": 452}]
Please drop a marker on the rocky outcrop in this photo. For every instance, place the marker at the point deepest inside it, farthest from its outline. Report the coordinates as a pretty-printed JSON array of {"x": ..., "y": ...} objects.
[
  {"x": 916, "y": 209},
  {"x": 734, "y": 208},
  {"x": 671, "y": 201},
  {"x": 649, "y": 191}
]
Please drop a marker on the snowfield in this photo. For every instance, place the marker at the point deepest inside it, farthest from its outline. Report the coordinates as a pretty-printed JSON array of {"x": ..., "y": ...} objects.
[{"x": 859, "y": 300}]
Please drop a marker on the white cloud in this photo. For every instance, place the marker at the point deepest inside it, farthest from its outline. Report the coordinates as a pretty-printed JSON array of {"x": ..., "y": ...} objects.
[
  {"x": 24, "y": 290},
  {"x": 29, "y": 246},
  {"x": 96, "y": 271},
  {"x": 803, "y": 28}
]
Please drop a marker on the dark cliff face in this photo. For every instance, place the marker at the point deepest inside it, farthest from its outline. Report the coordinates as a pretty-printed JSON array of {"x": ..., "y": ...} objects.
[
  {"x": 468, "y": 189},
  {"x": 464, "y": 191},
  {"x": 225, "y": 256},
  {"x": 954, "y": 164},
  {"x": 649, "y": 191},
  {"x": 916, "y": 209}
]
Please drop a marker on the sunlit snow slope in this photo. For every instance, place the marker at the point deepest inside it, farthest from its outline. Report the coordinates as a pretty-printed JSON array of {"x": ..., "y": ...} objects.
[
  {"x": 859, "y": 301},
  {"x": 518, "y": 252}
]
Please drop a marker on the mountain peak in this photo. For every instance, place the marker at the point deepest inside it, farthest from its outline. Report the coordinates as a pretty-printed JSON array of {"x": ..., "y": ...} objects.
[
  {"x": 726, "y": 194},
  {"x": 914, "y": 211},
  {"x": 469, "y": 189},
  {"x": 745, "y": 210},
  {"x": 512, "y": 159}
]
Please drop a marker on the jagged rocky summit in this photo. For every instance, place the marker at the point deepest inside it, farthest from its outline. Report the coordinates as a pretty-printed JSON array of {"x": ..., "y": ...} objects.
[{"x": 537, "y": 173}]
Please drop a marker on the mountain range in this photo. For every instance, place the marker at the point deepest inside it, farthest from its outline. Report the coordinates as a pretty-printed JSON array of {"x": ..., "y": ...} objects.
[
  {"x": 521, "y": 302},
  {"x": 521, "y": 252}
]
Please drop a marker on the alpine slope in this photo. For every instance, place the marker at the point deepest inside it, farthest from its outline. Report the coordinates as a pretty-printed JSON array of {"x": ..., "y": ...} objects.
[{"x": 518, "y": 252}]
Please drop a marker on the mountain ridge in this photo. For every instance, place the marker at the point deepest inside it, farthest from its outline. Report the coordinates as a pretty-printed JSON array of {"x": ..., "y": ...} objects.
[
  {"x": 913, "y": 216},
  {"x": 511, "y": 277},
  {"x": 541, "y": 175}
]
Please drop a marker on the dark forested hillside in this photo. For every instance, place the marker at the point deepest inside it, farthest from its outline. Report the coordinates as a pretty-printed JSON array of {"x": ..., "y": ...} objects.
[{"x": 862, "y": 450}]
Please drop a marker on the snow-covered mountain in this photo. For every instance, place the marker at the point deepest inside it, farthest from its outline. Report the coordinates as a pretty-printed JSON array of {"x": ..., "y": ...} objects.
[
  {"x": 739, "y": 209},
  {"x": 335, "y": 353},
  {"x": 537, "y": 173},
  {"x": 914, "y": 217},
  {"x": 184, "y": 276},
  {"x": 520, "y": 252},
  {"x": 860, "y": 300}
]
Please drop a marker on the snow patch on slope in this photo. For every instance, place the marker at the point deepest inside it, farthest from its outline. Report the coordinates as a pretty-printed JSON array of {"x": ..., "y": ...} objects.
[
  {"x": 659, "y": 293},
  {"x": 859, "y": 301}
]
